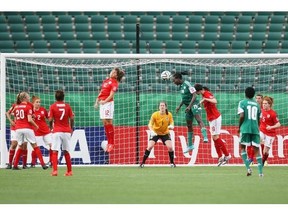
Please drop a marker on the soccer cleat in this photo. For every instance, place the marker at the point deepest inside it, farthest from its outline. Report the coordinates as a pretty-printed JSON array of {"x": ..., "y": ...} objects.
[
  {"x": 188, "y": 149},
  {"x": 261, "y": 175},
  {"x": 141, "y": 165},
  {"x": 68, "y": 173},
  {"x": 249, "y": 172},
  {"x": 54, "y": 173},
  {"x": 25, "y": 167},
  {"x": 220, "y": 161},
  {"x": 173, "y": 165},
  {"x": 109, "y": 148},
  {"x": 205, "y": 140},
  {"x": 32, "y": 166},
  {"x": 16, "y": 168},
  {"x": 9, "y": 166},
  {"x": 226, "y": 159},
  {"x": 44, "y": 167}
]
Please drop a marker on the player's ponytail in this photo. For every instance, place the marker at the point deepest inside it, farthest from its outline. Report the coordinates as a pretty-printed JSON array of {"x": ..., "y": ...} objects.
[{"x": 18, "y": 101}]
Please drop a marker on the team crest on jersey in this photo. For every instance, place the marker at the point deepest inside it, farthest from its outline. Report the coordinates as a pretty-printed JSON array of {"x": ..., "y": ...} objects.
[
  {"x": 268, "y": 116},
  {"x": 42, "y": 112}
]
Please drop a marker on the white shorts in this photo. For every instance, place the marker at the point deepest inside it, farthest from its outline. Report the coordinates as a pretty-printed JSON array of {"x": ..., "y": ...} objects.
[
  {"x": 25, "y": 135},
  {"x": 266, "y": 140},
  {"x": 60, "y": 139},
  {"x": 107, "y": 110},
  {"x": 215, "y": 126},
  {"x": 47, "y": 139},
  {"x": 13, "y": 135}
]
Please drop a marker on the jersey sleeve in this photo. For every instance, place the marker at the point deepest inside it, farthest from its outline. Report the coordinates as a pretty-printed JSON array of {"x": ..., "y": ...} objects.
[
  {"x": 114, "y": 87},
  {"x": 71, "y": 114},
  {"x": 50, "y": 113},
  {"x": 240, "y": 108}
]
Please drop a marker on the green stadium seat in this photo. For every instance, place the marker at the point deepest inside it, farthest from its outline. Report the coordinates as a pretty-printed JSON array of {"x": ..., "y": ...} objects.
[
  {"x": 65, "y": 27},
  {"x": 57, "y": 46},
  {"x": 33, "y": 27},
  {"x": 170, "y": 13},
  {"x": 188, "y": 47},
  {"x": 84, "y": 19},
  {"x": 130, "y": 19},
  {"x": 210, "y": 36},
  {"x": 164, "y": 19},
  {"x": 45, "y": 19},
  {"x": 180, "y": 36},
  {"x": 162, "y": 27},
  {"x": 242, "y": 36},
  {"x": 244, "y": 20},
  {"x": 123, "y": 47},
  {"x": 115, "y": 36},
  {"x": 64, "y": 19},
  {"x": 194, "y": 36},
  {"x": 144, "y": 48},
  {"x": 146, "y": 27},
  {"x": 163, "y": 36},
  {"x": 196, "y": 19},
  {"x": 17, "y": 27},
  {"x": 82, "y": 27},
  {"x": 205, "y": 46},
  {"x": 58, "y": 13},
  {"x": 147, "y": 36},
  {"x": 276, "y": 27},
  {"x": 275, "y": 36},
  {"x": 33, "y": 36},
  {"x": 259, "y": 36},
  {"x": 98, "y": 27},
  {"x": 114, "y": 19},
  {"x": 7, "y": 45},
  {"x": 83, "y": 35},
  {"x": 23, "y": 46},
  {"x": 67, "y": 36},
  {"x": 2, "y": 19},
  {"x": 51, "y": 36},
  {"x": 194, "y": 28},
  {"x": 185, "y": 13},
  {"x": 18, "y": 36},
  {"x": 260, "y": 27},
  {"x": 155, "y": 47},
  {"x": 228, "y": 20},
  {"x": 122, "y": 13},
  {"x": 179, "y": 19},
  {"x": 129, "y": 27},
  {"x": 172, "y": 47},
  {"x": 213, "y": 19},
  {"x": 40, "y": 46},
  {"x": 130, "y": 36},
  {"x": 264, "y": 19},
  {"x": 49, "y": 27},
  {"x": 42, "y": 13},
  {"x": 106, "y": 46},
  {"x": 210, "y": 28},
  {"x": 149, "y": 19},
  {"x": 114, "y": 27},
  {"x": 179, "y": 27},
  {"x": 238, "y": 46},
  {"x": 226, "y": 36},
  {"x": 99, "y": 36},
  {"x": 97, "y": 19},
  {"x": 249, "y": 13},
  {"x": 271, "y": 46},
  {"x": 254, "y": 47},
  {"x": 90, "y": 46},
  {"x": 75, "y": 13},
  {"x": 32, "y": 19},
  {"x": 277, "y": 19},
  {"x": 279, "y": 87},
  {"x": 284, "y": 47},
  {"x": 243, "y": 28},
  {"x": 222, "y": 47},
  {"x": 3, "y": 27},
  {"x": 17, "y": 19},
  {"x": 73, "y": 46},
  {"x": 227, "y": 27}
]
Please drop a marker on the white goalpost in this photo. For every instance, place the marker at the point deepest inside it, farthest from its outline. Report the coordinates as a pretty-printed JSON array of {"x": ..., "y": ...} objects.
[{"x": 138, "y": 96}]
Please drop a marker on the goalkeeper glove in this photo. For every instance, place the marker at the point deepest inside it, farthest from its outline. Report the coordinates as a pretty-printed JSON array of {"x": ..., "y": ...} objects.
[{"x": 152, "y": 133}]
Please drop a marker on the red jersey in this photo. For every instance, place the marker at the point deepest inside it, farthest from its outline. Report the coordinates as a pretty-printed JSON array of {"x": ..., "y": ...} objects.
[
  {"x": 268, "y": 118},
  {"x": 40, "y": 119},
  {"x": 11, "y": 112},
  {"x": 61, "y": 112},
  {"x": 21, "y": 113},
  {"x": 108, "y": 85},
  {"x": 211, "y": 109}
]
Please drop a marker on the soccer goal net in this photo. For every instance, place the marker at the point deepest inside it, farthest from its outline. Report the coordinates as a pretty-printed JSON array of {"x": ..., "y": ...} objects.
[{"x": 138, "y": 96}]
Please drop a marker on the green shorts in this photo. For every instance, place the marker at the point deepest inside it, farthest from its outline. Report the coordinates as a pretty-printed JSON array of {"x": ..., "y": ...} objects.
[
  {"x": 250, "y": 139},
  {"x": 195, "y": 110}
]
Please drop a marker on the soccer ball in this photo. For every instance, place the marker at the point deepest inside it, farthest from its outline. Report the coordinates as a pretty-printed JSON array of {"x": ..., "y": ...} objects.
[
  {"x": 166, "y": 75},
  {"x": 104, "y": 145}
]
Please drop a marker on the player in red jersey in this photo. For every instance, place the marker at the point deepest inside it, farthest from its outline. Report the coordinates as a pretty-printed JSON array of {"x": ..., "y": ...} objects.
[
  {"x": 106, "y": 101},
  {"x": 250, "y": 149},
  {"x": 24, "y": 129},
  {"x": 43, "y": 134},
  {"x": 61, "y": 122},
  {"x": 215, "y": 120},
  {"x": 13, "y": 146},
  {"x": 269, "y": 122}
]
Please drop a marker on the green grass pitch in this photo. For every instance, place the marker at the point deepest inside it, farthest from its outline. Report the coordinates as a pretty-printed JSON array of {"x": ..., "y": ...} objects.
[{"x": 150, "y": 185}]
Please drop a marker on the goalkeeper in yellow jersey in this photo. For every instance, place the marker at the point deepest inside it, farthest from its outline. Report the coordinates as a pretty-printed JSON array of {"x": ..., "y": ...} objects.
[{"x": 160, "y": 123}]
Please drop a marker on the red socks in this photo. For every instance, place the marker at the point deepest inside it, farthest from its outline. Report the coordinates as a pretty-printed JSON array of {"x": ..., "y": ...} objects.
[
  {"x": 50, "y": 155},
  {"x": 34, "y": 157},
  {"x": 39, "y": 155},
  {"x": 109, "y": 130},
  {"x": 17, "y": 157},
  {"x": 219, "y": 142},
  {"x": 250, "y": 152},
  {"x": 264, "y": 158},
  {"x": 11, "y": 155},
  {"x": 55, "y": 160},
  {"x": 24, "y": 157},
  {"x": 68, "y": 161}
]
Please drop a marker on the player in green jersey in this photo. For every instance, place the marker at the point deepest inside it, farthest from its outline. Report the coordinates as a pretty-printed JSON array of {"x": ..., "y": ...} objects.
[
  {"x": 249, "y": 119},
  {"x": 193, "y": 109}
]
